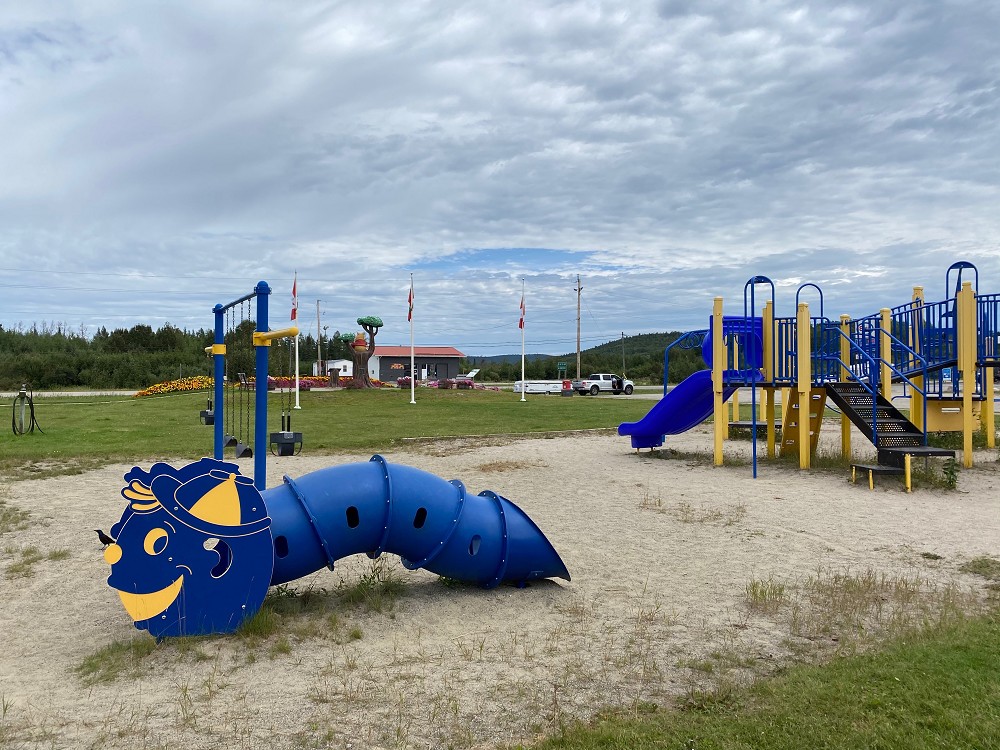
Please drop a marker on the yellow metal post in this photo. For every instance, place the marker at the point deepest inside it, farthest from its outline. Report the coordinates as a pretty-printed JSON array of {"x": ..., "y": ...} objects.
[
  {"x": 987, "y": 413},
  {"x": 803, "y": 385},
  {"x": 965, "y": 305},
  {"x": 885, "y": 352},
  {"x": 718, "y": 357},
  {"x": 845, "y": 376}
]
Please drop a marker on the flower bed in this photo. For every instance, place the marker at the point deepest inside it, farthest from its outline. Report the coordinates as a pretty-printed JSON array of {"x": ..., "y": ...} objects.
[{"x": 196, "y": 383}]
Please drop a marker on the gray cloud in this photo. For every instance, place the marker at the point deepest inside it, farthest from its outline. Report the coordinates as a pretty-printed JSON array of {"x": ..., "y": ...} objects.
[{"x": 674, "y": 148}]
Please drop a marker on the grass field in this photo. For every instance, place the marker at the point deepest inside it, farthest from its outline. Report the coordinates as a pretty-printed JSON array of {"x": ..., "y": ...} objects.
[
  {"x": 935, "y": 689},
  {"x": 82, "y": 432}
]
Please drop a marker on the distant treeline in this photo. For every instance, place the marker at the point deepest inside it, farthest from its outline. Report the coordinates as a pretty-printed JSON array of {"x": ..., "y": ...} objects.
[
  {"x": 52, "y": 356},
  {"x": 643, "y": 361}
]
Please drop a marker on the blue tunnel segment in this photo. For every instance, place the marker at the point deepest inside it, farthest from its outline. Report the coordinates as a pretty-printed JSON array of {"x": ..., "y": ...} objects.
[{"x": 431, "y": 523}]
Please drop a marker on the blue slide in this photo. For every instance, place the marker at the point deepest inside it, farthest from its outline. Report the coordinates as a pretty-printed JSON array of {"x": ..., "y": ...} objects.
[{"x": 689, "y": 403}]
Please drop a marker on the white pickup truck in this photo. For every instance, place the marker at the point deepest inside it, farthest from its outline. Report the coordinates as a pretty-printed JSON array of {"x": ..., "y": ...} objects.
[{"x": 603, "y": 381}]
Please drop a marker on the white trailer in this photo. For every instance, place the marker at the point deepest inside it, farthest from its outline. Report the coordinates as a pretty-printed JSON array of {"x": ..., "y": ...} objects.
[{"x": 538, "y": 386}]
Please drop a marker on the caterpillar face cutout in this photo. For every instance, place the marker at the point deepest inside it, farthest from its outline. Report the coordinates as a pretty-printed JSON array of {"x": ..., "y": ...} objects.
[{"x": 192, "y": 552}]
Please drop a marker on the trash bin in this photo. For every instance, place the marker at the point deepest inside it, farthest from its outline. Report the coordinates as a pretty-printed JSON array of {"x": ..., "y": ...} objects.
[{"x": 567, "y": 388}]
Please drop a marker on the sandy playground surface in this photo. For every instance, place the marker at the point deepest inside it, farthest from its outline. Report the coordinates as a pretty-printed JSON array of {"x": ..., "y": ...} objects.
[{"x": 661, "y": 550}]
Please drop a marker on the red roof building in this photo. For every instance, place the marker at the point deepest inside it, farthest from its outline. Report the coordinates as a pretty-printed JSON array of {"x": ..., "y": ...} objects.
[{"x": 432, "y": 362}]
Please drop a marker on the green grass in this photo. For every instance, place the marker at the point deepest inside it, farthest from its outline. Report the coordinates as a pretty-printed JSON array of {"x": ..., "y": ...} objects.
[
  {"x": 936, "y": 689},
  {"x": 27, "y": 557},
  {"x": 12, "y": 519},
  {"x": 377, "y": 588},
  {"x": 987, "y": 567},
  {"x": 117, "y": 660},
  {"x": 86, "y": 432}
]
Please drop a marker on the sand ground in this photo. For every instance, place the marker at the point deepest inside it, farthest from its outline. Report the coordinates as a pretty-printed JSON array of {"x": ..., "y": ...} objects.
[{"x": 661, "y": 548}]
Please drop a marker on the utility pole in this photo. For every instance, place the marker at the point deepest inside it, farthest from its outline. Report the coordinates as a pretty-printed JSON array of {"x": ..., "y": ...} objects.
[
  {"x": 319, "y": 339},
  {"x": 579, "y": 288}
]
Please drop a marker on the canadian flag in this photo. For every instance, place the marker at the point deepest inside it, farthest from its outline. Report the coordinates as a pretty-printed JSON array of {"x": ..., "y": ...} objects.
[
  {"x": 520, "y": 323},
  {"x": 295, "y": 297}
]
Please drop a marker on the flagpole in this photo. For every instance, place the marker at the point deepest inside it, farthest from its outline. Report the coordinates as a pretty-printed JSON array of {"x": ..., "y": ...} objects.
[
  {"x": 297, "y": 372},
  {"x": 413, "y": 374},
  {"x": 295, "y": 316},
  {"x": 524, "y": 384}
]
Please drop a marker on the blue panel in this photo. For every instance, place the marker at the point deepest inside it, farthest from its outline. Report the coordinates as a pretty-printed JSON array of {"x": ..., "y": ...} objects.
[{"x": 192, "y": 551}]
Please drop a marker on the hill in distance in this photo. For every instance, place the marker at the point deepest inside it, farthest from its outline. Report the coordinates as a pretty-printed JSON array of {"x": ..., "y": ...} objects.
[{"x": 648, "y": 344}]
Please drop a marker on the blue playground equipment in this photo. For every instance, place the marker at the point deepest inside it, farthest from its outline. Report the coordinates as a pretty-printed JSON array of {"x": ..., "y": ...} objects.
[
  {"x": 197, "y": 547},
  {"x": 942, "y": 353},
  {"x": 691, "y": 402}
]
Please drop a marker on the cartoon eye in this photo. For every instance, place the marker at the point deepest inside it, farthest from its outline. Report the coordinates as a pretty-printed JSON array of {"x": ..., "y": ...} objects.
[{"x": 155, "y": 541}]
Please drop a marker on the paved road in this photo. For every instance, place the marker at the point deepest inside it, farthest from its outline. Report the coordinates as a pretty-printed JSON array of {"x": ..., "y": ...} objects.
[{"x": 63, "y": 394}]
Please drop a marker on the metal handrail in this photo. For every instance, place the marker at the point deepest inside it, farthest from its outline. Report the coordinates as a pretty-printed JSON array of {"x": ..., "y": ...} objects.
[
  {"x": 872, "y": 383},
  {"x": 875, "y": 362},
  {"x": 689, "y": 340}
]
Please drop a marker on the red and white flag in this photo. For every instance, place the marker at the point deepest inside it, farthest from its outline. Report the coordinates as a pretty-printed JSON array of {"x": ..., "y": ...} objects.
[
  {"x": 409, "y": 301},
  {"x": 520, "y": 323},
  {"x": 295, "y": 297}
]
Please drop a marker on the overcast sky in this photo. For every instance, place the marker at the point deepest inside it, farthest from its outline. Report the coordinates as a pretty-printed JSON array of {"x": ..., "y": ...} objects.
[{"x": 159, "y": 158}]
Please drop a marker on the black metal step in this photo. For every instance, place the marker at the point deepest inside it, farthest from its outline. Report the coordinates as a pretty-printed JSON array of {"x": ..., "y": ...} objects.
[
  {"x": 922, "y": 451},
  {"x": 896, "y": 456},
  {"x": 894, "y": 429}
]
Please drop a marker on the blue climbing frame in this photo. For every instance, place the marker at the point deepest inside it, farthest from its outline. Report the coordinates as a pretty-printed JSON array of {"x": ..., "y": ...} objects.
[{"x": 260, "y": 446}]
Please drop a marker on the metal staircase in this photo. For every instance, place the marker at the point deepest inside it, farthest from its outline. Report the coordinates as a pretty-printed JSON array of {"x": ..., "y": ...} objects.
[{"x": 893, "y": 435}]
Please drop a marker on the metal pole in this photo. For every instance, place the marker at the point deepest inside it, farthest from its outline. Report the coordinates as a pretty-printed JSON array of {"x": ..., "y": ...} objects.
[
  {"x": 623, "y": 354},
  {"x": 260, "y": 447},
  {"x": 579, "y": 288},
  {"x": 295, "y": 319},
  {"x": 219, "y": 369},
  {"x": 319, "y": 354},
  {"x": 524, "y": 383},
  {"x": 413, "y": 373}
]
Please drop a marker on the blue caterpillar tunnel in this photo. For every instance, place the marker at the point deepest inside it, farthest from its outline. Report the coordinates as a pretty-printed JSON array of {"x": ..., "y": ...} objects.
[{"x": 197, "y": 547}]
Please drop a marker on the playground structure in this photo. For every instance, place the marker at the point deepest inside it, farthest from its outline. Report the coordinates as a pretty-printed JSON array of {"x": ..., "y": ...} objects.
[
  {"x": 232, "y": 433},
  {"x": 943, "y": 353},
  {"x": 197, "y": 547}
]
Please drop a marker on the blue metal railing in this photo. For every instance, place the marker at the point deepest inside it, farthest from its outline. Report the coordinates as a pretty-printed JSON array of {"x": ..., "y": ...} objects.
[
  {"x": 785, "y": 348},
  {"x": 988, "y": 319},
  {"x": 872, "y": 366}
]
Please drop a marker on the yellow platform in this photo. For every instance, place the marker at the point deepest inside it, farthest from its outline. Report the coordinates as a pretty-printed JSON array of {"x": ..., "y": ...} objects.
[{"x": 945, "y": 414}]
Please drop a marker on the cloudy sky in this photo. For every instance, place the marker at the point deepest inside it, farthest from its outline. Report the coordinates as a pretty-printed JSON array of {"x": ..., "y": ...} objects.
[{"x": 159, "y": 158}]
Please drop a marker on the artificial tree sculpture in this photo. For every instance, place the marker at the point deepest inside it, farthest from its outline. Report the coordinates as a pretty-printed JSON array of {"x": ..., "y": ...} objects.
[{"x": 362, "y": 351}]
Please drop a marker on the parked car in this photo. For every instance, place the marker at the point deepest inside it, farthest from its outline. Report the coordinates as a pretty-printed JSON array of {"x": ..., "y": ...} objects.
[{"x": 604, "y": 381}]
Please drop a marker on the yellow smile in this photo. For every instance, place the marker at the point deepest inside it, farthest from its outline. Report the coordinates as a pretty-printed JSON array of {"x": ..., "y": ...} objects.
[{"x": 143, "y": 606}]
